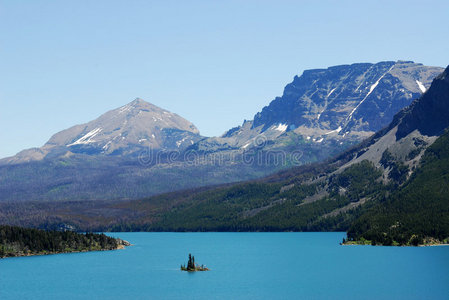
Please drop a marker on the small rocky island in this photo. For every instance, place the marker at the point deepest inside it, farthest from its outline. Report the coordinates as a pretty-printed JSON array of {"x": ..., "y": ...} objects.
[
  {"x": 192, "y": 266},
  {"x": 19, "y": 241}
]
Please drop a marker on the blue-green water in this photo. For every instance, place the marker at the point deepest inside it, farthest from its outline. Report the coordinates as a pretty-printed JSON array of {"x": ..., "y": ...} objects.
[{"x": 243, "y": 265}]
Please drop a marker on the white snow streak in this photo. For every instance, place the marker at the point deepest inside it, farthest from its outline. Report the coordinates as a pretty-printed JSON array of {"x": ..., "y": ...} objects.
[
  {"x": 371, "y": 89},
  {"x": 421, "y": 86},
  {"x": 178, "y": 143},
  {"x": 244, "y": 147},
  {"x": 87, "y": 138},
  {"x": 330, "y": 93},
  {"x": 127, "y": 107},
  {"x": 105, "y": 147},
  {"x": 334, "y": 131},
  {"x": 281, "y": 127}
]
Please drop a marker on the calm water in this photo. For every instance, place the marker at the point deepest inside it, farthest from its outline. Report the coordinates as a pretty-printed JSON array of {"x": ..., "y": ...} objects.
[{"x": 243, "y": 265}]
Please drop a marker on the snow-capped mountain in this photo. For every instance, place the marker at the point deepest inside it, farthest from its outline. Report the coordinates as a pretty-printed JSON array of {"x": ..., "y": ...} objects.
[
  {"x": 338, "y": 105},
  {"x": 122, "y": 131}
]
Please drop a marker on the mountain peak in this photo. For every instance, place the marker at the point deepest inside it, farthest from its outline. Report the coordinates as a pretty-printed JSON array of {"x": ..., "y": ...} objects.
[
  {"x": 128, "y": 128},
  {"x": 123, "y": 131},
  {"x": 138, "y": 100},
  {"x": 139, "y": 103}
]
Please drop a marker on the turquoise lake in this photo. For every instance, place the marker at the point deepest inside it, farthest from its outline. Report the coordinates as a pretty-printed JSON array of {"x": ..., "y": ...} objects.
[{"x": 243, "y": 266}]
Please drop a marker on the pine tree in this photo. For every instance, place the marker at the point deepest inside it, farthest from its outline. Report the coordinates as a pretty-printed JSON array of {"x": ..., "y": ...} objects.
[{"x": 189, "y": 264}]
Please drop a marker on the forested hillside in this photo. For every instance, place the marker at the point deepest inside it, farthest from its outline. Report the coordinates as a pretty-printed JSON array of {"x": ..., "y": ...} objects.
[
  {"x": 419, "y": 212},
  {"x": 18, "y": 241}
]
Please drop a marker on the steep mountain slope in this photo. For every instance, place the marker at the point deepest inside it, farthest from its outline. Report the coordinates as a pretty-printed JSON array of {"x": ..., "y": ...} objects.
[
  {"x": 418, "y": 212},
  {"x": 123, "y": 131},
  {"x": 358, "y": 97},
  {"x": 412, "y": 130},
  {"x": 325, "y": 110}
]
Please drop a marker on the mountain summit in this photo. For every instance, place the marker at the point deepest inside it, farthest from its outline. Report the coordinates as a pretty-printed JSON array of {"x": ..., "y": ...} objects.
[{"x": 122, "y": 131}]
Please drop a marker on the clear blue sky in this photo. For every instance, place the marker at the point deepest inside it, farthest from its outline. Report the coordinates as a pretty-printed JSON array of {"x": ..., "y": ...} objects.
[{"x": 213, "y": 62}]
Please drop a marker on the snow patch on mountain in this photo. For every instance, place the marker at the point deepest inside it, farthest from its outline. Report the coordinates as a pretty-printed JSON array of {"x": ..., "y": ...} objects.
[
  {"x": 334, "y": 131},
  {"x": 179, "y": 143},
  {"x": 421, "y": 86},
  {"x": 246, "y": 145},
  {"x": 124, "y": 108},
  {"x": 281, "y": 127},
  {"x": 105, "y": 147},
  {"x": 87, "y": 138},
  {"x": 330, "y": 93}
]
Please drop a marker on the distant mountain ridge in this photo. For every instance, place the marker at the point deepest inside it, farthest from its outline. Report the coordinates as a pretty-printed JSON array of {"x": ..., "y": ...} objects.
[{"x": 320, "y": 114}]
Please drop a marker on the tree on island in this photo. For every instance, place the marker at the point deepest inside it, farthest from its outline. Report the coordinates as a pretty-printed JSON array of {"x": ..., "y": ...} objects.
[
  {"x": 190, "y": 263},
  {"x": 191, "y": 266}
]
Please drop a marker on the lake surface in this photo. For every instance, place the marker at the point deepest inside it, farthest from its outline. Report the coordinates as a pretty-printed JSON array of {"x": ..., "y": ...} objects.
[{"x": 243, "y": 266}]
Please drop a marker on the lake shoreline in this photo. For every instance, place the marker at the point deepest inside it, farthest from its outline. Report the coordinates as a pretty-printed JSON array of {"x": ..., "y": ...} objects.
[
  {"x": 368, "y": 243},
  {"x": 122, "y": 244}
]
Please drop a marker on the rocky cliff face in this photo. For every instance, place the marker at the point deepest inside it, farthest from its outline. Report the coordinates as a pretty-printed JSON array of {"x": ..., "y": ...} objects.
[
  {"x": 412, "y": 131},
  {"x": 358, "y": 97},
  {"x": 430, "y": 114},
  {"x": 340, "y": 105}
]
